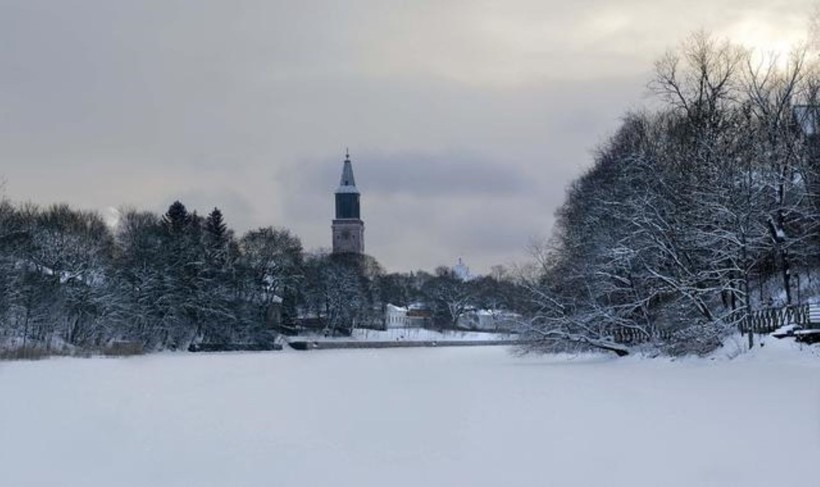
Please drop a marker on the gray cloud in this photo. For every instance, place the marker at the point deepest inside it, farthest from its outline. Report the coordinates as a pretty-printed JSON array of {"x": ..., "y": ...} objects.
[
  {"x": 422, "y": 175},
  {"x": 466, "y": 119}
]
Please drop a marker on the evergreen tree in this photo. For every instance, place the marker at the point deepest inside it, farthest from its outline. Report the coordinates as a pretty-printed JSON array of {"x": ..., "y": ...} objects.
[
  {"x": 177, "y": 219},
  {"x": 215, "y": 226}
]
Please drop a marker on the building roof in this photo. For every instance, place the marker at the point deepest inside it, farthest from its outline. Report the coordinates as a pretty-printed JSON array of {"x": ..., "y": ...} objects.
[{"x": 347, "y": 184}]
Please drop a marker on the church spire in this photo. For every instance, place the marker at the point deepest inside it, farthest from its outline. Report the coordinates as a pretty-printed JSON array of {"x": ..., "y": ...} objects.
[
  {"x": 348, "y": 228},
  {"x": 347, "y": 184}
]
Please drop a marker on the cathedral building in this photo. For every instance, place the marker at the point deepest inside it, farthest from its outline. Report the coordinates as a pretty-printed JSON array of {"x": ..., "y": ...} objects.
[{"x": 348, "y": 227}]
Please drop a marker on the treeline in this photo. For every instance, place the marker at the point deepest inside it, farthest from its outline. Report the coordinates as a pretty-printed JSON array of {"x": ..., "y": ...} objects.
[
  {"x": 693, "y": 214},
  {"x": 70, "y": 281}
]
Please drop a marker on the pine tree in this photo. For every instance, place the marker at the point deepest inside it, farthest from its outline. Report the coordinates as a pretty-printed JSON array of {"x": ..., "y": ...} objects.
[
  {"x": 215, "y": 226},
  {"x": 177, "y": 219}
]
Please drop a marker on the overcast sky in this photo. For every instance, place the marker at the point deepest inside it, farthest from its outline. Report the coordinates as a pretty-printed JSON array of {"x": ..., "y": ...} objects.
[{"x": 466, "y": 119}]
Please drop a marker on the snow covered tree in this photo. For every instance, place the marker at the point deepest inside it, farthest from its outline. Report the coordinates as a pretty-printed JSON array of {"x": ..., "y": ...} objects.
[
  {"x": 272, "y": 258},
  {"x": 683, "y": 211},
  {"x": 342, "y": 291},
  {"x": 449, "y": 296}
]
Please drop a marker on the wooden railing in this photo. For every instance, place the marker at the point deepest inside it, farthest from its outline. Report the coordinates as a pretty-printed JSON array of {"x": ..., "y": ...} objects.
[
  {"x": 762, "y": 322},
  {"x": 814, "y": 315},
  {"x": 769, "y": 320}
]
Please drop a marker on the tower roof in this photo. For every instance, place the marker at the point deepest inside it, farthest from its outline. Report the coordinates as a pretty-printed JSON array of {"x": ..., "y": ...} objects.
[{"x": 347, "y": 184}]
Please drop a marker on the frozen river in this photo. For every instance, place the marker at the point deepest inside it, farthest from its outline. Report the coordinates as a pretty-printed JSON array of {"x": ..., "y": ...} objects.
[{"x": 411, "y": 417}]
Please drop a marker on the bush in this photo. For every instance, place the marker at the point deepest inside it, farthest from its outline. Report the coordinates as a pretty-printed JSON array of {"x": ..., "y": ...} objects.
[
  {"x": 123, "y": 349},
  {"x": 698, "y": 339},
  {"x": 28, "y": 353}
]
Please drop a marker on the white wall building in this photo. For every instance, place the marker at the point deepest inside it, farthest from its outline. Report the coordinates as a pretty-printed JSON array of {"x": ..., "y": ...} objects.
[{"x": 395, "y": 317}]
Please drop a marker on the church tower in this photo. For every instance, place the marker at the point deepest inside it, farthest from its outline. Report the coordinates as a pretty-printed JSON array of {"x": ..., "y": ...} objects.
[{"x": 348, "y": 228}]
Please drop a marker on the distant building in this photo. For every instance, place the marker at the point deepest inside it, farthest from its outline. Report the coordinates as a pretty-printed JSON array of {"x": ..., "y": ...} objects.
[
  {"x": 413, "y": 316},
  {"x": 348, "y": 227},
  {"x": 395, "y": 317},
  {"x": 461, "y": 271},
  {"x": 419, "y": 315}
]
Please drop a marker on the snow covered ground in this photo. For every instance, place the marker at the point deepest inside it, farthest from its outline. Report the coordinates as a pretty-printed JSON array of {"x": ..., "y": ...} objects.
[{"x": 411, "y": 417}]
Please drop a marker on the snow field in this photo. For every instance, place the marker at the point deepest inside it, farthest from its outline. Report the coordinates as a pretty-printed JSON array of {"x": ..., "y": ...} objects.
[{"x": 474, "y": 416}]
